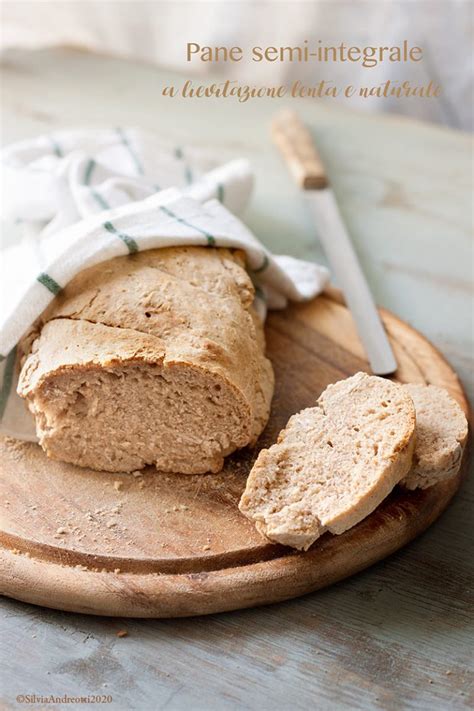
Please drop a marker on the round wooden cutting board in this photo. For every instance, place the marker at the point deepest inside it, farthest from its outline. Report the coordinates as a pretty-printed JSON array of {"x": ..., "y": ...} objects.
[{"x": 163, "y": 545}]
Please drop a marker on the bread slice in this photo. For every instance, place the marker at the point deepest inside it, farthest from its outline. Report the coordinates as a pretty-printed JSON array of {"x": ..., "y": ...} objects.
[
  {"x": 155, "y": 358},
  {"x": 441, "y": 434},
  {"x": 334, "y": 463}
]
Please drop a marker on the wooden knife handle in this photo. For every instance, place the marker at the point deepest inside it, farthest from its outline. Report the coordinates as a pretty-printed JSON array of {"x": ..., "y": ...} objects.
[{"x": 297, "y": 146}]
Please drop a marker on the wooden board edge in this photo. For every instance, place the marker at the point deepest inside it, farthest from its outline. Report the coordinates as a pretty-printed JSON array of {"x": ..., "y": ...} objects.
[{"x": 182, "y": 595}]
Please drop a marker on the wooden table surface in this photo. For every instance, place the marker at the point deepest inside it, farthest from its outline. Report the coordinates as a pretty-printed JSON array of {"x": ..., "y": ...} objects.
[{"x": 395, "y": 637}]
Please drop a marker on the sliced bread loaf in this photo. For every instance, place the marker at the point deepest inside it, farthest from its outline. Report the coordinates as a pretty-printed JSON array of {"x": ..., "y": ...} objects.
[
  {"x": 155, "y": 358},
  {"x": 334, "y": 463},
  {"x": 441, "y": 433}
]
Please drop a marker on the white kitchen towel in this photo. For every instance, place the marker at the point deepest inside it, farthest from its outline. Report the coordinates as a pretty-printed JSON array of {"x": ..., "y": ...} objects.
[{"x": 83, "y": 197}]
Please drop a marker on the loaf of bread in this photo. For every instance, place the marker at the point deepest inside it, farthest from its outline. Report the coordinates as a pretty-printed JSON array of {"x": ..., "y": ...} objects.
[
  {"x": 154, "y": 358},
  {"x": 441, "y": 434},
  {"x": 334, "y": 463}
]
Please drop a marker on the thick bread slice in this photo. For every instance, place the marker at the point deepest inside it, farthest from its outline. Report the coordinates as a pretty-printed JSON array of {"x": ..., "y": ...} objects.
[
  {"x": 156, "y": 358},
  {"x": 441, "y": 434},
  {"x": 333, "y": 463}
]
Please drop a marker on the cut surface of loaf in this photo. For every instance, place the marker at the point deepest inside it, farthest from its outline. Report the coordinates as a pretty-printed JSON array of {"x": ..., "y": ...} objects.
[
  {"x": 334, "y": 463},
  {"x": 154, "y": 358},
  {"x": 441, "y": 434}
]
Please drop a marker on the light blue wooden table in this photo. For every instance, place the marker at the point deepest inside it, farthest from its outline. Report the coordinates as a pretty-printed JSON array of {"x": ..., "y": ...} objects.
[{"x": 394, "y": 637}]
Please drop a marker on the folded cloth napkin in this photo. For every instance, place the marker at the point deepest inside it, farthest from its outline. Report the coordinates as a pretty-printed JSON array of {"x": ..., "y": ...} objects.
[{"x": 83, "y": 197}]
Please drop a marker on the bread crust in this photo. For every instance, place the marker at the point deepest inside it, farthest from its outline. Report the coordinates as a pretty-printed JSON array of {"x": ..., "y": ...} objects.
[
  {"x": 442, "y": 430},
  {"x": 174, "y": 309}
]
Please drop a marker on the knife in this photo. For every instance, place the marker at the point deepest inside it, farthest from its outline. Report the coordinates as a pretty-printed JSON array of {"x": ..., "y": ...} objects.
[{"x": 297, "y": 146}]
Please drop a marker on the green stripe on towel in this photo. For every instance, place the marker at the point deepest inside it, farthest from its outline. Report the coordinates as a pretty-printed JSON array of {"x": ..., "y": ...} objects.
[
  {"x": 90, "y": 167},
  {"x": 188, "y": 174},
  {"x": 128, "y": 146},
  {"x": 126, "y": 239},
  {"x": 211, "y": 241},
  {"x": 99, "y": 199},
  {"x": 49, "y": 283},
  {"x": 56, "y": 147},
  {"x": 88, "y": 172},
  {"x": 7, "y": 381},
  {"x": 220, "y": 192}
]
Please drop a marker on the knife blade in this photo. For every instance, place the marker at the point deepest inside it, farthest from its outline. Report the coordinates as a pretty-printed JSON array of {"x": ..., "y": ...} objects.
[{"x": 297, "y": 146}]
